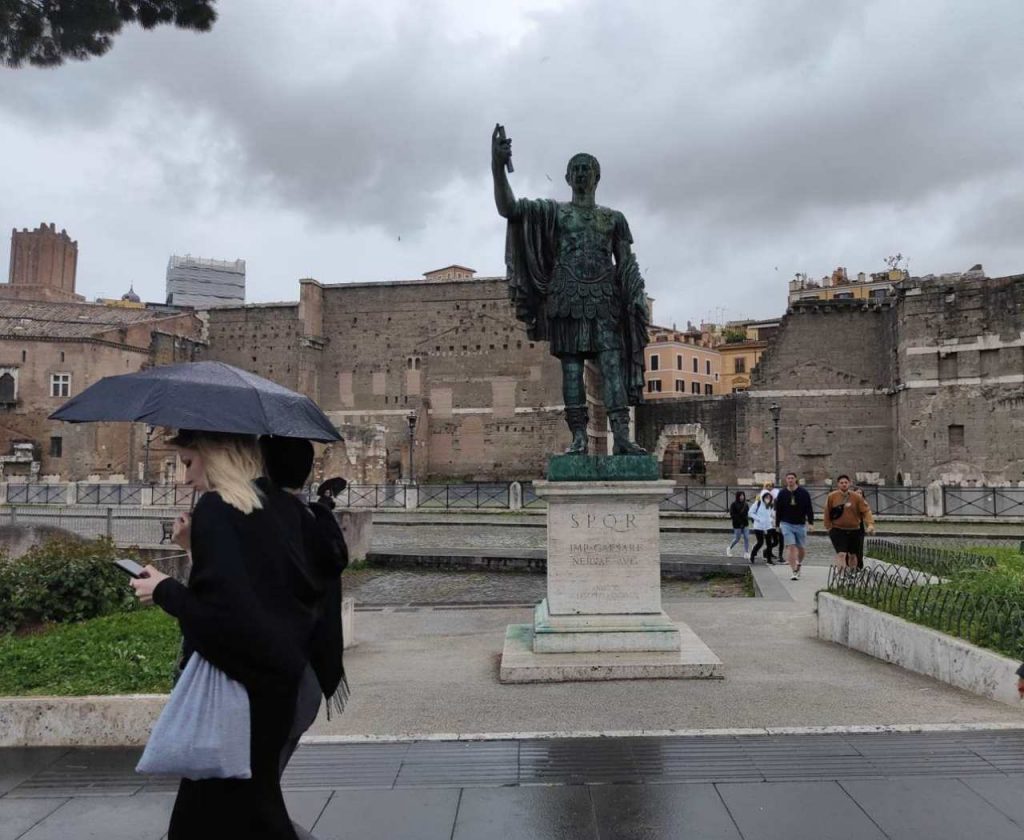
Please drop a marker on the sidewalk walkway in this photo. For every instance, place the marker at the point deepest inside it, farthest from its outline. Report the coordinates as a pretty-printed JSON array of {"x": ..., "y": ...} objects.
[{"x": 942, "y": 786}]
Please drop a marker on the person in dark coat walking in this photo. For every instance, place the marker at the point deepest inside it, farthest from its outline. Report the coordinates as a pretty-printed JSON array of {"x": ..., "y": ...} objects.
[
  {"x": 739, "y": 513},
  {"x": 288, "y": 463},
  {"x": 794, "y": 515},
  {"x": 241, "y": 612}
]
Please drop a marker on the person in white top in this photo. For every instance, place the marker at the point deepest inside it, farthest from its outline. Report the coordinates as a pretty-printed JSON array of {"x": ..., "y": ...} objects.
[{"x": 763, "y": 514}]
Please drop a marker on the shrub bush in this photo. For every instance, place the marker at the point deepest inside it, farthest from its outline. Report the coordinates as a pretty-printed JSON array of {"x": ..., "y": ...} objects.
[{"x": 61, "y": 581}]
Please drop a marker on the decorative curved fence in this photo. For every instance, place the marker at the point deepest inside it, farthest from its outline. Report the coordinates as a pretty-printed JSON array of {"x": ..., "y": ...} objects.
[
  {"x": 926, "y": 559},
  {"x": 917, "y": 595}
]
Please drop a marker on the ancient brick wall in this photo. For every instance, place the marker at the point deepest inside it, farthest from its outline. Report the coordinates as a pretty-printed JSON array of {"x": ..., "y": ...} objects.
[
  {"x": 263, "y": 339},
  {"x": 961, "y": 380},
  {"x": 453, "y": 352}
]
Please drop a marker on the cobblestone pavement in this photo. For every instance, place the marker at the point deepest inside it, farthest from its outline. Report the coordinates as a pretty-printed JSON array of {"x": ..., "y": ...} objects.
[{"x": 412, "y": 587}]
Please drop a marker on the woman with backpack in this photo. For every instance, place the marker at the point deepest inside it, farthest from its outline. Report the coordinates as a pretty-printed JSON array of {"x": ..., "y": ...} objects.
[
  {"x": 763, "y": 515},
  {"x": 739, "y": 513}
]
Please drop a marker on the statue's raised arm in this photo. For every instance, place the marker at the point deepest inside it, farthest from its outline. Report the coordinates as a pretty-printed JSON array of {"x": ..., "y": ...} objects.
[{"x": 501, "y": 160}]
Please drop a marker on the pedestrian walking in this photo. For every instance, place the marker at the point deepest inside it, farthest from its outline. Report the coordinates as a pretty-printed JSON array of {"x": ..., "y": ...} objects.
[
  {"x": 794, "y": 516},
  {"x": 847, "y": 516},
  {"x": 770, "y": 487},
  {"x": 288, "y": 463},
  {"x": 763, "y": 516},
  {"x": 739, "y": 513},
  {"x": 244, "y": 612}
]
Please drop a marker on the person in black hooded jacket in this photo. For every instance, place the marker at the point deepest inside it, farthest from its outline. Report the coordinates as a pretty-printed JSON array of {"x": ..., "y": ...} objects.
[{"x": 288, "y": 462}]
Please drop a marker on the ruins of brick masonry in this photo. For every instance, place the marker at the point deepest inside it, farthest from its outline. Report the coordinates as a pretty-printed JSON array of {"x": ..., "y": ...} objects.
[{"x": 924, "y": 385}]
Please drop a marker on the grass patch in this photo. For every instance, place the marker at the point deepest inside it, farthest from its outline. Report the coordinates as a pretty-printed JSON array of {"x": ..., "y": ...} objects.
[{"x": 125, "y": 653}]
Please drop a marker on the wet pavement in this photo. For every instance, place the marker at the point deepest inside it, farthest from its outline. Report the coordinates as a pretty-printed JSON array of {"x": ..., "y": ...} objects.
[{"x": 939, "y": 785}]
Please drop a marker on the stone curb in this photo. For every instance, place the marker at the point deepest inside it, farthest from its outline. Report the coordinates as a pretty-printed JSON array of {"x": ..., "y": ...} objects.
[
  {"x": 94, "y": 721},
  {"x": 919, "y": 649},
  {"x": 753, "y": 732}
]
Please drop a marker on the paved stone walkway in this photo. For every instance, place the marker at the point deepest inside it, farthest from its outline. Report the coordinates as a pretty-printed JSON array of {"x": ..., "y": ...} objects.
[
  {"x": 940, "y": 786},
  {"x": 422, "y": 587}
]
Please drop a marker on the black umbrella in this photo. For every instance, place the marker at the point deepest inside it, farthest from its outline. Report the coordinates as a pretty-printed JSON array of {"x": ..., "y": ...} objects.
[{"x": 206, "y": 396}]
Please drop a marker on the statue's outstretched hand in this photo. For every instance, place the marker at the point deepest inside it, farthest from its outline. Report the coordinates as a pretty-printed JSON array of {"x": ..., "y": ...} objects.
[{"x": 501, "y": 148}]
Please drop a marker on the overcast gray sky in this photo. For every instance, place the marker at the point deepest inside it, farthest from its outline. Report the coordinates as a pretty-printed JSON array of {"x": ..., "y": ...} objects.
[{"x": 744, "y": 140}]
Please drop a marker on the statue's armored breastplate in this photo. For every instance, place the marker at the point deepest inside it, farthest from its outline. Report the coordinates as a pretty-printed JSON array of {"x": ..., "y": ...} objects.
[{"x": 585, "y": 242}]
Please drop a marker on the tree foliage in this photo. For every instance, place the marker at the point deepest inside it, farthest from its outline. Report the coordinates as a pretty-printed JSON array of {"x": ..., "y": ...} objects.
[{"x": 46, "y": 33}]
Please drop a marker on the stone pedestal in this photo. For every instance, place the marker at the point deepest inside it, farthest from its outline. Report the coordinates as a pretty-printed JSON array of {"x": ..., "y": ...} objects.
[{"x": 602, "y": 618}]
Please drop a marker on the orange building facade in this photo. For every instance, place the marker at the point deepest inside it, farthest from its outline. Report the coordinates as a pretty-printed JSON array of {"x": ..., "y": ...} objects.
[{"x": 679, "y": 364}]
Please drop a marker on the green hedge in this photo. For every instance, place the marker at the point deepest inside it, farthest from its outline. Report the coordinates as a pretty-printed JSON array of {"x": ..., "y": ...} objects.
[{"x": 62, "y": 581}]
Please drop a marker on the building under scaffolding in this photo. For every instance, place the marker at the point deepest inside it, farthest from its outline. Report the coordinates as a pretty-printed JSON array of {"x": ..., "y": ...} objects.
[{"x": 193, "y": 281}]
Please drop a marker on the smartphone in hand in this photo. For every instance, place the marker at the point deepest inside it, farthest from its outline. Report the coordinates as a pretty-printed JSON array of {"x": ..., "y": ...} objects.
[{"x": 131, "y": 568}]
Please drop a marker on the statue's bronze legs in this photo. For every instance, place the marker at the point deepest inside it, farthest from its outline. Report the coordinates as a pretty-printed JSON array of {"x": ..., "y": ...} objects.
[{"x": 575, "y": 396}]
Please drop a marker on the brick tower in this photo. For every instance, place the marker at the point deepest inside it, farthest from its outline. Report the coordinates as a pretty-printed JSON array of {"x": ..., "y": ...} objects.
[{"x": 43, "y": 265}]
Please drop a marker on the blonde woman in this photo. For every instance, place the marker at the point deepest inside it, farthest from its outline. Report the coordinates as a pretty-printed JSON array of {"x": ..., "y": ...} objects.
[{"x": 241, "y": 612}]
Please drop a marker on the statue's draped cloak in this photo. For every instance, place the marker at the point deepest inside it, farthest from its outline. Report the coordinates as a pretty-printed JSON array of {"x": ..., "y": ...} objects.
[{"x": 531, "y": 249}]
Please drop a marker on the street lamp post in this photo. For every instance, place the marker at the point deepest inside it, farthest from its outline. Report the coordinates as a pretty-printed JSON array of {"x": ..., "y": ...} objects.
[
  {"x": 411, "y": 420},
  {"x": 775, "y": 410},
  {"x": 145, "y": 463}
]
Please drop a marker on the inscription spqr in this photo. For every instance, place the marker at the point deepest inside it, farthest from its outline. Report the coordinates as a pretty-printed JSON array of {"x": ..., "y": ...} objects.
[{"x": 603, "y": 558}]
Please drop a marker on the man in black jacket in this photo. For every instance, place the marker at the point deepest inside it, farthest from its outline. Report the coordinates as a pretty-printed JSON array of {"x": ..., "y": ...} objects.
[{"x": 794, "y": 516}]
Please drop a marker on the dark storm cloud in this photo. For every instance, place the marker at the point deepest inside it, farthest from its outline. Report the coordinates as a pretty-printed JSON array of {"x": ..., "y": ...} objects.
[{"x": 722, "y": 128}]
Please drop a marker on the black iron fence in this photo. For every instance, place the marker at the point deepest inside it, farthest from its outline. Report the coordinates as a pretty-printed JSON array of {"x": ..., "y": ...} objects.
[
  {"x": 37, "y": 494},
  {"x": 991, "y": 621},
  {"x": 983, "y": 501},
  {"x": 884, "y": 501},
  {"x": 464, "y": 496},
  {"x": 926, "y": 559},
  {"x": 109, "y": 494}
]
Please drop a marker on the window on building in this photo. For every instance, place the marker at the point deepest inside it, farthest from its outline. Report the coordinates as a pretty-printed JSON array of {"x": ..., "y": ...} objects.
[
  {"x": 696, "y": 365},
  {"x": 843, "y": 296},
  {"x": 654, "y": 386},
  {"x": 694, "y": 387},
  {"x": 989, "y": 362},
  {"x": 949, "y": 366},
  {"x": 8, "y": 388},
  {"x": 24, "y": 355},
  {"x": 739, "y": 364},
  {"x": 709, "y": 389},
  {"x": 679, "y": 362},
  {"x": 878, "y": 294},
  {"x": 707, "y": 367},
  {"x": 62, "y": 357},
  {"x": 654, "y": 363},
  {"x": 680, "y": 385},
  {"x": 956, "y": 437},
  {"x": 60, "y": 384},
  {"x": 56, "y": 447}
]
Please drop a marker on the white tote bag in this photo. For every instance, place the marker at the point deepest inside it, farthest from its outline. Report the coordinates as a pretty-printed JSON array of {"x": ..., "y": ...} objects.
[{"x": 203, "y": 731}]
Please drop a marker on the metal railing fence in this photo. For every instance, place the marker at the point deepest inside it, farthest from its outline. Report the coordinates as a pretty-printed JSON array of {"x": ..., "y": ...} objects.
[
  {"x": 464, "y": 496},
  {"x": 126, "y": 526},
  {"x": 699, "y": 498},
  {"x": 983, "y": 501},
  {"x": 36, "y": 494}
]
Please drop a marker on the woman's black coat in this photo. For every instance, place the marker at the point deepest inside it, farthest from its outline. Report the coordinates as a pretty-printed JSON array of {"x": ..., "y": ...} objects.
[{"x": 242, "y": 611}]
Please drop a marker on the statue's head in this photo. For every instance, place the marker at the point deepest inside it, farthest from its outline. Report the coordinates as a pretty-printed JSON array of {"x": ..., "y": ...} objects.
[{"x": 583, "y": 172}]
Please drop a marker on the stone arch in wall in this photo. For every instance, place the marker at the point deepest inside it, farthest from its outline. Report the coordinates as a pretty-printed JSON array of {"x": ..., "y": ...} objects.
[{"x": 683, "y": 433}]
